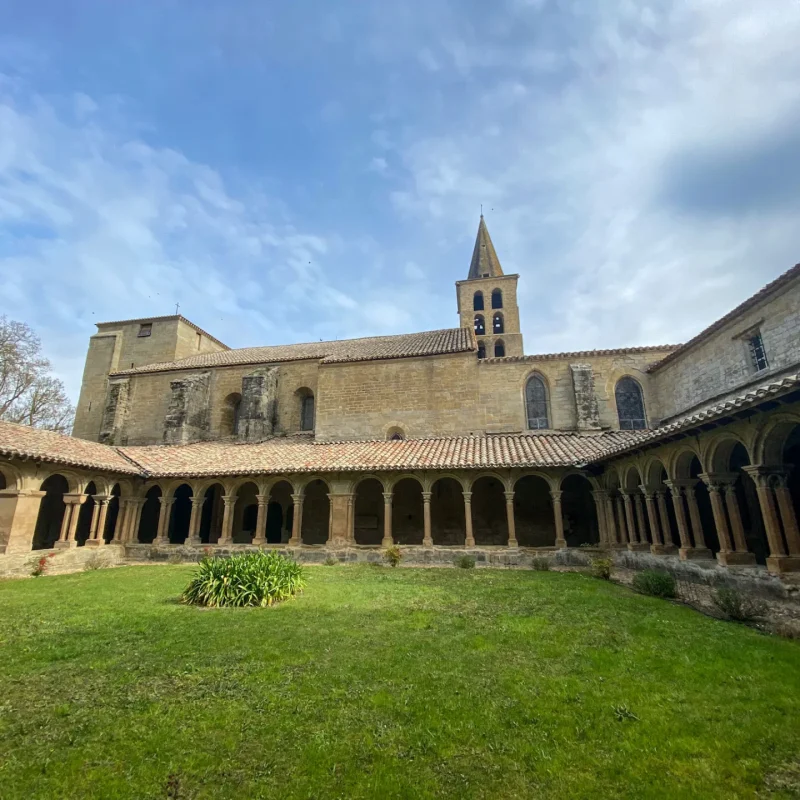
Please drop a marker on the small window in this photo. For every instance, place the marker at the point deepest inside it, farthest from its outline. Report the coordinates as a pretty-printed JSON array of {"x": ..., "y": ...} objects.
[
  {"x": 481, "y": 349},
  {"x": 497, "y": 324},
  {"x": 395, "y": 435},
  {"x": 199, "y": 340},
  {"x": 145, "y": 329},
  {"x": 477, "y": 301},
  {"x": 497, "y": 299},
  {"x": 536, "y": 403},
  {"x": 307, "y": 413},
  {"x": 757, "y": 352},
  {"x": 480, "y": 325},
  {"x": 630, "y": 405},
  {"x": 499, "y": 350}
]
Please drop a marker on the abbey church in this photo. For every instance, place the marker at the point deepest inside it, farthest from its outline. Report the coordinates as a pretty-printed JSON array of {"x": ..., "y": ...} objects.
[{"x": 437, "y": 441}]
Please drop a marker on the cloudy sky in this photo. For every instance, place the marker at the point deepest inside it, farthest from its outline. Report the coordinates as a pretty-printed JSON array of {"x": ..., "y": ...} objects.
[{"x": 311, "y": 170}]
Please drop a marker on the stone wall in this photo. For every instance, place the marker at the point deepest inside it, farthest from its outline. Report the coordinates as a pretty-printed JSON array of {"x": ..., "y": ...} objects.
[{"x": 721, "y": 364}]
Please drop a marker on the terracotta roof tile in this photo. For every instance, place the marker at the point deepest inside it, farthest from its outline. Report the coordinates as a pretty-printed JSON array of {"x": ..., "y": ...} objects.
[
  {"x": 449, "y": 340},
  {"x": 619, "y": 351}
]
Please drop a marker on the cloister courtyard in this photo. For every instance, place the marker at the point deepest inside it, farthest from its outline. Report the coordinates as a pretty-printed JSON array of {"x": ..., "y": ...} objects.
[{"x": 387, "y": 683}]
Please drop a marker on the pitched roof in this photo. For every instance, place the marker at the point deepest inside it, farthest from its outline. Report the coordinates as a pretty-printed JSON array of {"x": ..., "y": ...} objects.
[
  {"x": 619, "y": 351},
  {"x": 298, "y": 454},
  {"x": 762, "y": 294},
  {"x": 22, "y": 441},
  {"x": 179, "y": 317},
  {"x": 484, "y": 258},
  {"x": 428, "y": 343}
]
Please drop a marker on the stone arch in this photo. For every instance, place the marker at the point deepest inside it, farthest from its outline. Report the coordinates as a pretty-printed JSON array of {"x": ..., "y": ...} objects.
[
  {"x": 497, "y": 298},
  {"x": 315, "y": 522},
  {"x": 85, "y": 515},
  {"x": 703, "y": 500},
  {"x": 395, "y": 434},
  {"x": 770, "y": 442},
  {"x": 579, "y": 510},
  {"x": 231, "y": 407},
  {"x": 368, "y": 511},
  {"x": 10, "y": 477},
  {"x": 212, "y": 511},
  {"x": 408, "y": 524},
  {"x": 477, "y": 301},
  {"x": 113, "y": 513},
  {"x": 448, "y": 520},
  {"x": 533, "y": 512},
  {"x": 489, "y": 517},
  {"x": 280, "y": 512},
  {"x": 680, "y": 464},
  {"x": 51, "y": 512},
  {"x": 306, "y": 408},
  {"x": 630, "y": 403},
  {"x": 151, "y": 512},
  {"x": 180, "y": 513},
  {"x": 718, "y": 452}
]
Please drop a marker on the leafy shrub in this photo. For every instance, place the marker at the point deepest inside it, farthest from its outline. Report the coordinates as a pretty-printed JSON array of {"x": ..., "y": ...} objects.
[
  {"x": 94, "y": 561},
  {"x": 735, "y": 605},
  {"x": 654, "y": 582},
  {"x": 248, "y": 579},
  {"x": 601, "y": 568},
  {"x": 330, "y": 561},
  {"x": 41, "y": 565},
  {"x": 465, "y": 562},
  {"x": 393, "y": 555},
  {"x": 541, "y": 564}
]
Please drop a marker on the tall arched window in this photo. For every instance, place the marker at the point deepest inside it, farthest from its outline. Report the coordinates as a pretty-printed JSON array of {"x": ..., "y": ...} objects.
[
  {"x": 499, "y": 349},
  {"x": 480, "y": 325},
  {"x": 307, "y": 412},
  {"x": 630, "y": 405},
  {"x": 497, "y": 299},
  {"x": 477, "y": 301},
  {"x": 481, "y": 349},
  {"x": 536, "y": 403},
  {"x": 497, "y": 324},
  {"x": 230, "y": 414}
]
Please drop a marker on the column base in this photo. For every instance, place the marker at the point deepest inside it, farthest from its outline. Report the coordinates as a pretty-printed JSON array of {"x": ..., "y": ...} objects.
[
  {"x": 663, "y": 549},
  {"x": 224, "y": 542},
  {"x": 732, "y": 559},
  {"x": 561, "y": 544},
  {"x": 259, "y": 542},
  {"x": 95, "y": 542},
  {"x": 428, "y": 544},
  {"x": 777, "y": 565},
  {"x": 639, "y": 547},
  {"x": 695, "y": 553},
  {"x": 193, "y": 541},
  {"x": 513, "y": 544},
  {"x": 387, "y": 543},
  {"x": 64, "y": 545},
  {"x": 469, "y": 543}
]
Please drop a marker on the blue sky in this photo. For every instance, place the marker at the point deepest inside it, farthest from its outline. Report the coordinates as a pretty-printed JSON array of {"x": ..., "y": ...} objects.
[{"x": 309, "y": 170}]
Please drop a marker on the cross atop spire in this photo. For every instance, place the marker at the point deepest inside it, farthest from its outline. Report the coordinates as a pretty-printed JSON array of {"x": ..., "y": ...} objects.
[{"x": 485, "y": 262}]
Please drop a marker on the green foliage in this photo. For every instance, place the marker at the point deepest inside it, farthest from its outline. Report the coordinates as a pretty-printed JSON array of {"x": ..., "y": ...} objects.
[
  {"x": 249, "y": 579},
  {"x": 735, "y": 605},
  {"x": 601, "y": 568},
  {"x": 41, "y": 565},
  {"x": 393, "y": 555},
  {"x": 465, "y": 562},
  {"x": 541, "y": 564},
  {"x": 654, "y": 582},
  {"x": 330, "y": 561},
  {"x": 623, "y": 713}
]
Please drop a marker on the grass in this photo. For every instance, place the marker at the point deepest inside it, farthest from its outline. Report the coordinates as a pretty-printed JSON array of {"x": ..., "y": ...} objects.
[{"x": 381, "y": 683}]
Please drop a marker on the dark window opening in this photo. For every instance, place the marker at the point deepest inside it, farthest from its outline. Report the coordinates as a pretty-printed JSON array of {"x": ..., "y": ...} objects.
[
  {"x": 307, "y": 413},
  {"x": 477, "y": 301},
  {"x": 497, "y": 324},
  {"x": 758, "y": 353},
  {"x": 145, "y": 329},
  {"x": 499, "y": 350},
  {"x": 497, "y": 299},
  {"x": 481, "y": 349},
  {"x": 536, "y": 403},
  {"x": 480, "y": 325},
  {"x": 630, "y": 405}
]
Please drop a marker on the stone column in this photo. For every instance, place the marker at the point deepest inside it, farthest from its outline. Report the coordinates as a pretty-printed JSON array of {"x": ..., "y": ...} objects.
[
  {"x": 470, "y": 539},
  {"x": 623, "y": 527},
  {"x": 666, "y": 525},
  {"x": 732, "y": 504},
  {"x": 19, "y": 512},
  {"x": 101, "y": 503},
  {"x": 427, "y": 537},
  {"x": 125, "y": 509},
  {"x": 656, "y": 547},
  {"x": 697, "y": 526},
  {"x": 95, "y": 516},
  {"x": 558, "y": 517},
  {"x": 164, "y": 515},
  {"x": 387, "y": 520},
  {"x": 260, "y": 537},
  {"x": 788, "y": 517},
  {"x": 680, "y": 517},
  {"x": 339, "y": 519},
  {"x": 512, "y": 525},
  {"x": 611, "y": 523},
  {"x": 732, "y": 553},
  {"x": 136, "y": 518},
  {"x": 351, "y": 520},
  {"x": 297, "y": 521},
  {"x": 194, "y": 521},
  {"x": 226, "y": 537},
  {"x": 633, "y": 539},
  {"x": 778, "y": 560},
  {"x": 600, "y": 512},
  {"x": 638, "y": 502},
  {"x": 72, "y": 506}
]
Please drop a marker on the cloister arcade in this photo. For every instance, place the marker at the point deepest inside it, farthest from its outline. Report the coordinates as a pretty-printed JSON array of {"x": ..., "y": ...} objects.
[{"x": 731, "y": 493}]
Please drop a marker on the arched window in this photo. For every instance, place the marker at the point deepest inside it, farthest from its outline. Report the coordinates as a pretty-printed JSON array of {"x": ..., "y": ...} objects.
[
  {"x": 477, "y": 301},
  {"x": 497, "y": 324},
  {"x": 230, "y": 414},
  {"x": 307, "y": 412},
  {"x": 480, "y": 325},
  {"x": 497, "y": 299},
  {"x": 499, "y": 349},
  {"x": 536, "y": 403},
  {"x": 481, "y": 349},
  {"x": 630, "y": 405},
  {"x": 395, "y": 435}
]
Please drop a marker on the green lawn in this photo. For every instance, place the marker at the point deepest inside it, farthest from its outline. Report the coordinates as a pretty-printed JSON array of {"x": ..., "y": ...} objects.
[{"x": 387, "y": 683}]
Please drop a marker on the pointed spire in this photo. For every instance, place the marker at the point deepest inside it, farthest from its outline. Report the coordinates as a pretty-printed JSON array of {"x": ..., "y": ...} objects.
[{"x": 484, "y": 258}]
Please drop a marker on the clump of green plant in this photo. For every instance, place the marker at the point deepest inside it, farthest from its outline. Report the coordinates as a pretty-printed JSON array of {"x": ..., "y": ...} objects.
[
  {"x": 601, "y": 568},
  {"x": 249, "y": 579},
  {"x": 393, "y": 555},
  {"x": 735, "y": 605},
  {"x": 94, "y": 561},
  {"x": 330, "y": 561},
  {"x": 541, "y": 564},
  {"x": 41, "y": 565},
  {"x": 654, "y": 582},
  {"x": 465, "y": 562}
]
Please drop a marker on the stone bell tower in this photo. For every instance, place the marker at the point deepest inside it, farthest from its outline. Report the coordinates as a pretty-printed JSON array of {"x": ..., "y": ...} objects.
[{"x": 487, "y": 301}]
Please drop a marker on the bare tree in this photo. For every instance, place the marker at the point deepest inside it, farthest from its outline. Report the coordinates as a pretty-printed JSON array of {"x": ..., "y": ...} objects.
[{"x": 29, "y": 395}]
